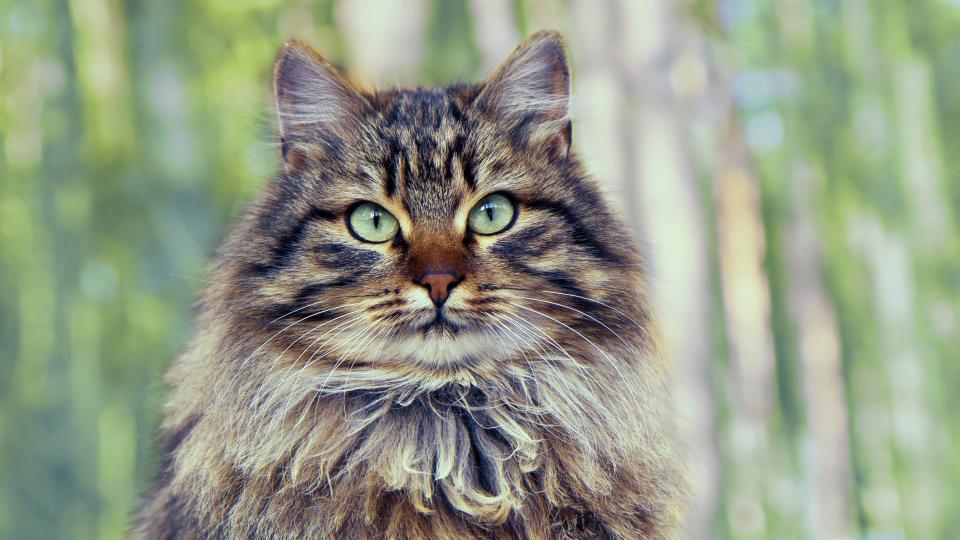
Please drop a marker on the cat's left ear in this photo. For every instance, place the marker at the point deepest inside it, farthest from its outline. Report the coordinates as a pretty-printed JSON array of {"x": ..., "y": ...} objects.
[
  {"x": 531, "y": 92},
  {"x": 316, "y": 106}
]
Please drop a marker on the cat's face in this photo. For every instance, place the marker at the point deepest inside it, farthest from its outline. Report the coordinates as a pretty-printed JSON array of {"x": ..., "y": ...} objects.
[{"x": 433, "y": 228}]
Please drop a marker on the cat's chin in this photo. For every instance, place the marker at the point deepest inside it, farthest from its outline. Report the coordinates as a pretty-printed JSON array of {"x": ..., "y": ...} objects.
[{"x": 444, "y": 346}]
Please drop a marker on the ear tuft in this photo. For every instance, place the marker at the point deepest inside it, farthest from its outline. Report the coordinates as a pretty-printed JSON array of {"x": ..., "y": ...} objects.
[
  {"x": 314, "y": 102},
  {"x": 532, "y": 88}
]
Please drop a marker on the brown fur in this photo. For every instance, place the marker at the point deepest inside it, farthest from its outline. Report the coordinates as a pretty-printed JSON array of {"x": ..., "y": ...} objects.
[{"x": 317, "y": 399}]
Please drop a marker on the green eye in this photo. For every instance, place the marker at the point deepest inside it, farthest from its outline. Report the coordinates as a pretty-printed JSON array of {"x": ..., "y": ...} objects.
[
  {"x": 494, "y": 214},
  {"x": 372, "y": 223}
]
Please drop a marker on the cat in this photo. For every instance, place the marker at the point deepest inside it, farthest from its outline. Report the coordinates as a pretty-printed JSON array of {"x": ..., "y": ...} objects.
[{"x": 430, "y": 325}]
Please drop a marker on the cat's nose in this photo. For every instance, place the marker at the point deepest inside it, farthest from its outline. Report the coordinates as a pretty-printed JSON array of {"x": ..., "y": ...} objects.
[{"x": 439, "y": 284}]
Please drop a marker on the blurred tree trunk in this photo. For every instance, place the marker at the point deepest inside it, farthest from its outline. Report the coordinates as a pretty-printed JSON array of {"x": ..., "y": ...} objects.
[
  {"x": 826, "y": 456},
  {"x": 642, "y": 71}
]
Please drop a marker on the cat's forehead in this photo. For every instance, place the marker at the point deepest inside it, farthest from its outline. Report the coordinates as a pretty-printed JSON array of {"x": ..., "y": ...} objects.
[
  {"x": 425, "y": 108},
  {"x": 423, "y": 149}
]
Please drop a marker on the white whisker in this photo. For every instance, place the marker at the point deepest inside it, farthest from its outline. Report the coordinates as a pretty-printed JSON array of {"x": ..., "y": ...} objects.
[
  {"x": 591, "y": 317},
  {"x": 271, "y": 338},
  {"x": 256, "y": 399},
  {"x": 609, "y": 359}
]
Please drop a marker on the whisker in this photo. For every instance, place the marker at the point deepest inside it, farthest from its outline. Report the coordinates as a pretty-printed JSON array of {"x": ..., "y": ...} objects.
[
  {"x": 608, "y": 306},
  {"x": 383, "y": 341},
  {"x": 277, "y": 358},
  {"x": 289, "y": 313},
  {"x": 591, "y": 317},
  {"x": 344, "y": 326},
  {"x": 559, "y": 348},
  {"x": 609, "y": 360},
  {"x": 243, "y": 364},
  {"x": 340, "y": 328},
  {"x": 503, "y": 330},
  {"x": 353, "y": 341},
  {"x": 567, "y": 396},
  {"x": 362, "y": 337},
  {"x": 380, "y": 331}
]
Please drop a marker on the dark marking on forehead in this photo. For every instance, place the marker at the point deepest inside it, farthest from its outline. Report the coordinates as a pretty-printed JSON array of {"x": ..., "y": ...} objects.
[
  {"x": 396, "y": 165},
  {"x": 468, "y": 164},
  {"x": 390, "y": 174},
  {"x": 420, "y": 107},
  {"x": 455, "y": 112},
  {"x": 449, "y": 154},
  {"x": 466, "y": 159},
  {"x": 424, "y": 134}
]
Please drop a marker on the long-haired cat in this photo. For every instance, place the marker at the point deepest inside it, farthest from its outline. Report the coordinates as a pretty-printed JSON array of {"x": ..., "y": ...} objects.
[{"x": 430, "y": 325}]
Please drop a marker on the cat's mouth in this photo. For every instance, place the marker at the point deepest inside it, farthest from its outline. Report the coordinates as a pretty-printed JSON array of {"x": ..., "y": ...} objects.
[
  {"x": 439, "y": 324},
  {"x": 447, "y": 337}
]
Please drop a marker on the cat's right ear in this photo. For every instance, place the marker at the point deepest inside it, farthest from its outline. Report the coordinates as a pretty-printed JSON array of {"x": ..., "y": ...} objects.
[{"x": 316, "y": 106}]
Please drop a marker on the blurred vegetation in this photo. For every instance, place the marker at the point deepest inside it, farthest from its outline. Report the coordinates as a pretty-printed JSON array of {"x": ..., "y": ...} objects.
[{"x": 132, "y": 131}]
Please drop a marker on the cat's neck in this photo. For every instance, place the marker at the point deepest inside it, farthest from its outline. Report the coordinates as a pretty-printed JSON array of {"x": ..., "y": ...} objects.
[{"x": 542, "y": 435}]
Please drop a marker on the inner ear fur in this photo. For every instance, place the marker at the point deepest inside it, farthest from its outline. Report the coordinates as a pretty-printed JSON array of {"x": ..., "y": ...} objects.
[
  {"x": 315, "y": 104},
  {"x": 530, "y": 91}
]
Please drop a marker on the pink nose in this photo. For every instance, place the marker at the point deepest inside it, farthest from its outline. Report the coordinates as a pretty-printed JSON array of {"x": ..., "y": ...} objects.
[{"x": 439, "y": 284}]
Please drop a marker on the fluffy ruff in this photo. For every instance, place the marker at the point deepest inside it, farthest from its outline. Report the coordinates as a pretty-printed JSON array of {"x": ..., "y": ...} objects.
[{"x": 547, "y": 448}]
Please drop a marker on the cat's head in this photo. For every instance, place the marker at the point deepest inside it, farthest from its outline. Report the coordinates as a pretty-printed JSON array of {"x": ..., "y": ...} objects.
[{"x": 429, "y": 228}]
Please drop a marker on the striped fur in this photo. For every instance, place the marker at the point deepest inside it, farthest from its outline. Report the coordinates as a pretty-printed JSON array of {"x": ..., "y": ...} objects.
[{"x": 316, "y": 400}]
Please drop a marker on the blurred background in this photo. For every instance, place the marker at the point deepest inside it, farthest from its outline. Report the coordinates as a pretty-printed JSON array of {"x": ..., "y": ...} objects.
[{"x": 793, "y": 167}]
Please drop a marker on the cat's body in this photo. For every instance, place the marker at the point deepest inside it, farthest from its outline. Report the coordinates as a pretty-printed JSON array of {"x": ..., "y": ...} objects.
[{"x": 450, "y": 381}]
